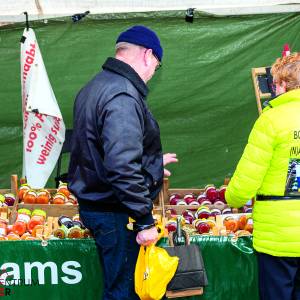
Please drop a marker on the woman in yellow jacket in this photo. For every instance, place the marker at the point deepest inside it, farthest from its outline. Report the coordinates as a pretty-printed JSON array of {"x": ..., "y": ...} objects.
[{"x": 269, "y": 170}]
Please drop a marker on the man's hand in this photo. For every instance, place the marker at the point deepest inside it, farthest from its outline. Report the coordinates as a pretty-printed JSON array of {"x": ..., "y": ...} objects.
[
  {"x": 147, "y": 237},
  {"x": 167, "y": 159}
]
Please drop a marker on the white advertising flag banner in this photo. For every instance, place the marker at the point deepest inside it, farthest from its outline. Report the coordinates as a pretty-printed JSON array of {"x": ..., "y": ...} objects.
[{"x": 43, "y": 126}]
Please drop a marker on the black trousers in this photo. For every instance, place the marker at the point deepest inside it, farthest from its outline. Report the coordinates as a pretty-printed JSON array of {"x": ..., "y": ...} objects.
[{"x": 279, "y": 277}]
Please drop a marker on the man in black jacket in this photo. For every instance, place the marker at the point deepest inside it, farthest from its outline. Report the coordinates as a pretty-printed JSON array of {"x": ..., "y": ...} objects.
[{"x": 116, "y": 167}]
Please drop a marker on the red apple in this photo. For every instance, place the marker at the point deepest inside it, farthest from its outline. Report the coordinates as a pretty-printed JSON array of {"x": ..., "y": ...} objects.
[
  {"x": 191, "y": 201},
  {"x": 189, "y": 219},
  {"x": 204, "y": 201},
  {"x": 188, "y": 198},
  {"x": 221, "y": 193},
  {"x": 203, "y": 212},
  {"x": 219, "y": 202},
  {"x": 187, "y": 213},
  {"x": 215, "y": 211},
  {"x": 171, "y": 226},
  {"x": 181, "y": 202},
  {"x": 174, "y": 198},
  {"x": 201, "y": 196},
  {"x": 211, "y": 193},
  {"x": 203, "y": 227}
]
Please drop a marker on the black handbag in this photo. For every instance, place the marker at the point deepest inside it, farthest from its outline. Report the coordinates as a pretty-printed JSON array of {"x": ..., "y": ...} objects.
[{"x": 190, "y": 277}]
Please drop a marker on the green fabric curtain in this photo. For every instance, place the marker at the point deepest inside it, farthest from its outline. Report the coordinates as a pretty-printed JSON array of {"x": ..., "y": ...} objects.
[{"x": 202, "y": 97}]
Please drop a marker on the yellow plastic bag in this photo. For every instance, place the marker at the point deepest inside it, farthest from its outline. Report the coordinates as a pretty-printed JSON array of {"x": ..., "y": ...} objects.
[{"x": 154, "y": 270}]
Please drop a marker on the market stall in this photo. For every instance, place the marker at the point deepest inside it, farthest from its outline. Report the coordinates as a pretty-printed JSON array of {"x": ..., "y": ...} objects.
[
  {"x": 59, "y": 260},
  {"x": 205, "y": 119}
]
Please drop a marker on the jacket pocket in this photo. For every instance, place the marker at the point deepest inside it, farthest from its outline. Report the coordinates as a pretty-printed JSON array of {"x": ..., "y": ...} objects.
[{"x": 153, "y": 183}]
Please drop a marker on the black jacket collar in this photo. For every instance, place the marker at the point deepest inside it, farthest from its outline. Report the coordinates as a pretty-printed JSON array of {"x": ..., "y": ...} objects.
[{"x": 118, "y": 66}]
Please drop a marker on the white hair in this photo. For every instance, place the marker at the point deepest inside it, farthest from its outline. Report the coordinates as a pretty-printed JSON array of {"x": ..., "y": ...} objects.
[{"x": 125, "y": 46}]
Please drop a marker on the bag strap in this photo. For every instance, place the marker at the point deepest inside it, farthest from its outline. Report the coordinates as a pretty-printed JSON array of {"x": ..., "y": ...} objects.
[
  {"x": 174, "y": 238},
  {"x": 170, "y": 237}
]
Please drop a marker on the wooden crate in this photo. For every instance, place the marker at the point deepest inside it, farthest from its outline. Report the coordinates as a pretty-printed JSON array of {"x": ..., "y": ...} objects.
[
  {"x": 167, "y": 192},
  {"x": 52, "y": 210},
  {"x": 188, "y": 293},
  {"x": 13, "y": 186},
  {"x": 6, "y": 212},
  {"x": 259, "y": 94}
]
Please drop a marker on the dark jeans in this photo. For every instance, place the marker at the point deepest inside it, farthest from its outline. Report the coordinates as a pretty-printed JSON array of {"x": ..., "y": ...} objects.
[
  {"x": 279, "y": 277},
  {"x": 118, "y": 252}
]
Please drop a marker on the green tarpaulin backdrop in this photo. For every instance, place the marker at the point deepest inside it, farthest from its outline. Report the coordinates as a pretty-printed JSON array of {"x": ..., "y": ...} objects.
[{"x": 202, "y": 96}]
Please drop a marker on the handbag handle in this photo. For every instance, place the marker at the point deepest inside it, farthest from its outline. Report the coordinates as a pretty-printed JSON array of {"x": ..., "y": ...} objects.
[{"x": 174, "y": 238}]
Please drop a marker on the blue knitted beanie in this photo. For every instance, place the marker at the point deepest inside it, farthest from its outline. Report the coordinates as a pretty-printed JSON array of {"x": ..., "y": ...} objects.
[{"x": 142, "y": 36}]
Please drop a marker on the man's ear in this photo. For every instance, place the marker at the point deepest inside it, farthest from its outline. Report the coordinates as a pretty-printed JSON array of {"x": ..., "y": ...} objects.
[{"x": 148, "y": 57}]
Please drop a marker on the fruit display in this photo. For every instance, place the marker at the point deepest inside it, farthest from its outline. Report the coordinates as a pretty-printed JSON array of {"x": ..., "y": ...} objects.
[
  {"x": 235, "y": 223},
  {"x": 62, "y": 195},
  {"x": 38, "y": 217},
  {"x": 210, "y": 195},
  {"x": 211, "y": 221},
  {"x": 36, "y": 226},
  {"x": 71, "y": 228},
  {"x": 205, "y": 212},
  {"x": 32, "y": 215},
  {"x": 23, "y": 218},
  {"x": 43, "y": 196},
  {"x": 7, "y": 199}
]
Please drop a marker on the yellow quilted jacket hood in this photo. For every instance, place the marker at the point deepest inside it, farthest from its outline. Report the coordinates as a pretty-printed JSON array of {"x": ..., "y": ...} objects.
[{"x": 267, "y": 167}]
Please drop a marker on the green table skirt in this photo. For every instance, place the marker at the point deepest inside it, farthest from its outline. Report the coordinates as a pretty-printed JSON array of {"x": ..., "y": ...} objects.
[{"x": 70, "y": 269}]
